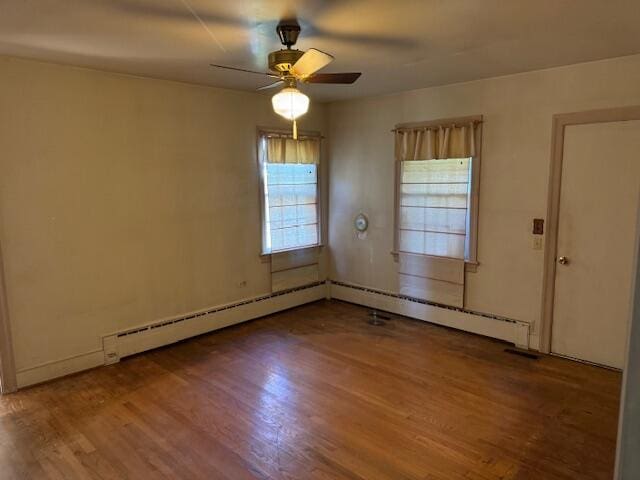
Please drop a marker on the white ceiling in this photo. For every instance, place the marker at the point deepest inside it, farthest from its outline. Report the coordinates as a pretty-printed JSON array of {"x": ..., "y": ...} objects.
[{"x": 397, "y": 44}]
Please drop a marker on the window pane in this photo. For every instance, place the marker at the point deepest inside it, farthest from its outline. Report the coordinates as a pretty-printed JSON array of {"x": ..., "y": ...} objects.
[
  {"x": 277, "y": 241},
  {"x": 291, "y": 211},
  {"x": 429, "y": 243},
  {"x": 306, "y": 193},
  {"x": 282, "y": 195},
  {"x": 291, "y": 216},
  {"x": 308, "y": 234},
  {"x": 412, "y": 241},
  {"x": 445, "y": 245},
  {"x": 292, "y": 237},
  {"x": 307, "y": 214},
  {"x": 305, "y": 173},
  {"x": 437, "y": 219},
  {"x": 447, "y": 171},
  {"x": 434, "y": 196},
  {"x": 290, "y": 173}
]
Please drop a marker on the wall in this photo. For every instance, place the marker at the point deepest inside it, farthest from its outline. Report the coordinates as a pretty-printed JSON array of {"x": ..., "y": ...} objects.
[
  {"x": 518, "y": 112},
  {"x": 122, "y": 201},
  {"x": 125, "y": 200}
]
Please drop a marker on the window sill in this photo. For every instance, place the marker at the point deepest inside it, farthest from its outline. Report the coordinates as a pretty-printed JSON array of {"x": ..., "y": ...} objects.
[
  {"x": 266, "y": 257},
  {"x": 469, "y": 265}
]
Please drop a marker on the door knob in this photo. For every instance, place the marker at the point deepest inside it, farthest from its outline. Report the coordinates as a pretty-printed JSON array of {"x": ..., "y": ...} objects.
[{"x": 563, "y": 260}]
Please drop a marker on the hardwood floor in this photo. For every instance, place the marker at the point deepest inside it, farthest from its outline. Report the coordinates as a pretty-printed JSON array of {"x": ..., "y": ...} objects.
[{"x": 317, "y": 393}]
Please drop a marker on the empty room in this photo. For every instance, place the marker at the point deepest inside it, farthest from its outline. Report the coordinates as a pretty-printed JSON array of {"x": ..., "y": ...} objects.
[{"x": 323, "y": 240}]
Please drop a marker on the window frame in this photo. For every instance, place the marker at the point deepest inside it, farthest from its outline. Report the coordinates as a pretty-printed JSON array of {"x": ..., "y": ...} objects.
[
  {"x": 262, "y": 132},
  {"x": 471, "y": 263}
]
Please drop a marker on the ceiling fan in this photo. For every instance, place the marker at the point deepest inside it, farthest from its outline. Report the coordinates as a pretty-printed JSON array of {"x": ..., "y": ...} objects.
[{"x": 289, "y": 66}]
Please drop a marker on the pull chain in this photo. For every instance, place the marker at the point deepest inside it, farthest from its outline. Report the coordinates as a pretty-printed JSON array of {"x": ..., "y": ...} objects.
[{"x": 295, "y": 129}]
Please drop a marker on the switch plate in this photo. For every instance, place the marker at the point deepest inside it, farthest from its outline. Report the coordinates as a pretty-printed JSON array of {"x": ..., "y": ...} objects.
[
  {"x": 538, "y": 226},
  {"x": 537, "y": 242}
]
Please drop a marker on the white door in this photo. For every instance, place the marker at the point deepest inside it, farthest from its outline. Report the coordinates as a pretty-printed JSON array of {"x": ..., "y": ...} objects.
[{"x": 598, "y": 214}]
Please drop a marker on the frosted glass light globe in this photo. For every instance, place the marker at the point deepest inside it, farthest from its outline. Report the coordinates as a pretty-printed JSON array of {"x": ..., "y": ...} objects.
[{"x": 290, "y": 103}]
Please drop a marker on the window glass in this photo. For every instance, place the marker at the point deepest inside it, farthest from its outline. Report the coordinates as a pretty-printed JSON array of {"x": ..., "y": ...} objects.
[
  {"x": 291, "y": 206},
  {"x": 434, "y": 205}
]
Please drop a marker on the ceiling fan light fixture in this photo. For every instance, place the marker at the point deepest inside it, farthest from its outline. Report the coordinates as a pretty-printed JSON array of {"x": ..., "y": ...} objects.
[{"x": 290, "y": 103}]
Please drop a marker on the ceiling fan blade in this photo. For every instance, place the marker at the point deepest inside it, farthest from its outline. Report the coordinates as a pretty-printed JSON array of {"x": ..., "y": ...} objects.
[
  {"x": 309, "y": 63},
  {"x": 272, "y": 75},
  {"x": 333, "y": 77},
  {"x": 271, "y": 85}
]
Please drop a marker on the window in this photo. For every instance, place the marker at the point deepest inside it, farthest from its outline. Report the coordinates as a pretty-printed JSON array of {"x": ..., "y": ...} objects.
[
  {"x": 290, "y": 196},
  {"x": 437, "y": 184},
  {"x": 434, "y": 207}
]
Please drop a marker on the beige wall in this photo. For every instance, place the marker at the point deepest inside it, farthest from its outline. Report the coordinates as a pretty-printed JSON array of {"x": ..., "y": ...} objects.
[
  {"x": 125, "y": 200},
  {"x": 513, "y": 188},
  {"x": 122, "y": 201}
]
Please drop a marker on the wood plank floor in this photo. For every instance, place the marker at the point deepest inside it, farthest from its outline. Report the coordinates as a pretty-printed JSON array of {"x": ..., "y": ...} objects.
[{"x": 317, "y": 393}]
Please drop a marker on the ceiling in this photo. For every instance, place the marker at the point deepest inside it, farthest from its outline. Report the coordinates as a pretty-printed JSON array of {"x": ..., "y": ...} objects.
[{"x": 398, "y": 45}]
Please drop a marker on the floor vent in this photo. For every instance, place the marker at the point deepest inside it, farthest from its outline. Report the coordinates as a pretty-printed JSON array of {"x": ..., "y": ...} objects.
[
  {"x": 376, "y": 319},
  {"x": 513, "y": 351}
]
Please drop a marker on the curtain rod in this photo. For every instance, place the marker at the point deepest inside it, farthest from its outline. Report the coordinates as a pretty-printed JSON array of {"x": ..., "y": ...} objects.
[
  {"x": 289, "y": 136},
  {"x": 436, "y": 125},
  {"x": 277, "y": 133}
]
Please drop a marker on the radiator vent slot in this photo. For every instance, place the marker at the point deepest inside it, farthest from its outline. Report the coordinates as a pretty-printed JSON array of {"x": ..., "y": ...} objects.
[
  {"x": 173, "y": 321},
  {"x": 423, "y": 302}
]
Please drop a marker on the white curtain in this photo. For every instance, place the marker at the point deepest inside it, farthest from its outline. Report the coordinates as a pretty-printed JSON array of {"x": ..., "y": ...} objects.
[
  {"x": 436, "y": 142},
  {"x": 284, "y": 149}
]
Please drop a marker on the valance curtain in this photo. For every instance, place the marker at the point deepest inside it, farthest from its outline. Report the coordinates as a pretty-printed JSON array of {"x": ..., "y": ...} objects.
[
  {"x": 284, "y": 149},
  {"x": 437, "y": 142}
]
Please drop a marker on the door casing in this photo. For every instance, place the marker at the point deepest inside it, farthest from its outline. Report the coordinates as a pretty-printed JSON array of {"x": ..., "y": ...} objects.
[
  {"x": 7, "y": 363},
  {"x": 560, "y": 122}
]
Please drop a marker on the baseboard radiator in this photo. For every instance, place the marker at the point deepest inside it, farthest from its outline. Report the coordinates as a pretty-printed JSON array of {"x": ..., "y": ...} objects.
[
  {"x": 118, "y": 345},
  {"x": 164, "y": 332},
  {"x": 494, "y": 326},
  {"x": 170, "y": 330}
]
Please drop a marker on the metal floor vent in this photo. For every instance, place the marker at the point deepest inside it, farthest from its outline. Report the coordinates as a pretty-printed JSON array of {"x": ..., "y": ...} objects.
[
  {"x": 173, "y": 321},
  {"x": 376, "y": 319},
  {"x": 522, "y": 353}
]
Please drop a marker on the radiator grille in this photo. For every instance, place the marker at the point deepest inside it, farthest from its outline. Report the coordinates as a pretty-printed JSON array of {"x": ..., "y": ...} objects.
[
  {"x": 173, "y": 321},
  {"x": 421, "y": 301}
]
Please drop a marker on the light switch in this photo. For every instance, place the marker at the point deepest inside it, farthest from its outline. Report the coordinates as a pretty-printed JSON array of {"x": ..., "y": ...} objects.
[{"x": 538, "y": 226}]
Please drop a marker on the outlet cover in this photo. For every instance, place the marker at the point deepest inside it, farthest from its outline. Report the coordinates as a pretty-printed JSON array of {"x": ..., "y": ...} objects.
[
  {"x": 110, "y": 348},
  {"x": 537, "y": 242}
]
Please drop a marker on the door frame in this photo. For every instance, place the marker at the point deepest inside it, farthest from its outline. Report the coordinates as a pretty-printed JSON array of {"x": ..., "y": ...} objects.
[
  {"x": 7, "y": 362},
  {"x": 560, "y": 122}
]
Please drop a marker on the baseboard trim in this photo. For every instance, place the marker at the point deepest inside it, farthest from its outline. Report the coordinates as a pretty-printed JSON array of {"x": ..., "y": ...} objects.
[
  {"x": 170, "y": 330},
  {"x": 163, "y": 332},
  {"x": 501, "y": 328},
  {"x": 59, "y": 368}
]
